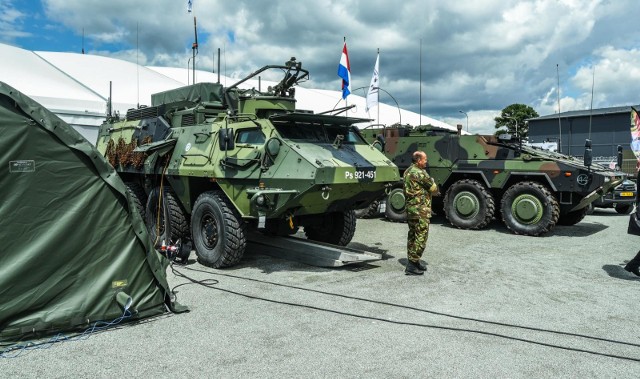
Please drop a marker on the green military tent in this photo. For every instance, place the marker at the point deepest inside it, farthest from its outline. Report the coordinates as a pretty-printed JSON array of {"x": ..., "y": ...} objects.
[{"x": 74, "y": 250}]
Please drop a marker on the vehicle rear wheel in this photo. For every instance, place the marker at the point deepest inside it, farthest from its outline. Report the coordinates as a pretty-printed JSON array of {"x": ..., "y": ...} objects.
[
  {"x": 574, "y": 217},
  {"x": 139, "y": 197},
  {"x": 337, "y": 228},
  {"x": 218, "y": 231},
  {"x": 395, "y": 204},
  {"x": 529, "y": 208},
  {"x": 164, "y": 217},
  {"x": 468, "y": 205},
  {"x": 624, "y": 209},
  {"x": 368, "y": 212}
]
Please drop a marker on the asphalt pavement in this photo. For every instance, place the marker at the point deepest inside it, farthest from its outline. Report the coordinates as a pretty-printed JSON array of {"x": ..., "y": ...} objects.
[{"x": 492, "y": 304}]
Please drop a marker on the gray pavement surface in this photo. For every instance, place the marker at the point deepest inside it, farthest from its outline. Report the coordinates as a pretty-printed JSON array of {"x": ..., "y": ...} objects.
[{"x": 492, "y": 304}]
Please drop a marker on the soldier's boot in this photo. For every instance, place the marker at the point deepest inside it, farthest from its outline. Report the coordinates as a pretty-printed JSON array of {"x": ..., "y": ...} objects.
[
  {"x": 412, "y": 269},
  {"x": 422, "y": 266}
]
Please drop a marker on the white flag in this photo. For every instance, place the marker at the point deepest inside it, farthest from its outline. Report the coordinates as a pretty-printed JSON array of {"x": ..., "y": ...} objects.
[{"x": 372, "y": 95}]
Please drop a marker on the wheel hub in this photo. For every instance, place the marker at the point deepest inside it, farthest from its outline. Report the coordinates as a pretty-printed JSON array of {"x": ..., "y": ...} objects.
[
  {"x": 527, "y": 209},
  {"x": 210, "y": 231},
  {"x": 466, "y": 204},
  {"x": 397, "y": 200}
]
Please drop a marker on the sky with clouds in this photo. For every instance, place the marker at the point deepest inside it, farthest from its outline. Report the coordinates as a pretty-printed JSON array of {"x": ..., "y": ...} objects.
[{"x": 440, "y": 57}]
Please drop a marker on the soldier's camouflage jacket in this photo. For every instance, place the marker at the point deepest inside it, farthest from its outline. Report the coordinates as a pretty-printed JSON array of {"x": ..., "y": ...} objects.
[{"x": 418, "y": 187}]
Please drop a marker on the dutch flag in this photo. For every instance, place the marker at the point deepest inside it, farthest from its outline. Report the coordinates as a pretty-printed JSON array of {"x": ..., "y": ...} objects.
[{"x": 344, "y": 71}]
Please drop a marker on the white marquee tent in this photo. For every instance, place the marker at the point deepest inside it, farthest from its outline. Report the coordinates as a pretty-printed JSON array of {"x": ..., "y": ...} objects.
[{"x": 76, "y": 88}]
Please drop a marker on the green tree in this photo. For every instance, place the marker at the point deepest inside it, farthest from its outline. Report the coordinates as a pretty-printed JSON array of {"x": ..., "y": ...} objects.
[{"x": 513, "y": 118}]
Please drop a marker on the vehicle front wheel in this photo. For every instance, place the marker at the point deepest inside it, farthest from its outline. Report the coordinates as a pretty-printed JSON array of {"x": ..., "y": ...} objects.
[
  {"x": 218, "y": 231},
  {"x": 468, "y": 205},
  {"x": 529, "y": 208}
]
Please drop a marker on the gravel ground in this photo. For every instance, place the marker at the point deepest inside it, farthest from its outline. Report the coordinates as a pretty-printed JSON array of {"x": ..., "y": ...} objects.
[{"x": 492, "y": 304}]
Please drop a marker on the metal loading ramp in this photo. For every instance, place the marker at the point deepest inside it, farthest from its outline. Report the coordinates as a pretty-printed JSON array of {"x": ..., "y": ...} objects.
[{"x": 309, "y": 252}]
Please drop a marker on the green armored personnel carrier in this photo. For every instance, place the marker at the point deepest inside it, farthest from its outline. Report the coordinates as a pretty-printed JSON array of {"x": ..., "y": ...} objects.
[
  {"x": 209, "y": 164},
  {"x": 483, "y": 176}
]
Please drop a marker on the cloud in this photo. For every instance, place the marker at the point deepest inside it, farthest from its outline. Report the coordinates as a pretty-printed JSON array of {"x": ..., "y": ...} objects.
[
  {"x": 440, "y": 57},
  {"x": 11, "y": 20}
]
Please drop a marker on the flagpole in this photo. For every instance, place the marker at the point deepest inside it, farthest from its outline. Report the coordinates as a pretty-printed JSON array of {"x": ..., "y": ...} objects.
[
  {"x": 346, "y": 112},
  {"x": 377, "y": 60},
  {"x": 344, "y": 72}
]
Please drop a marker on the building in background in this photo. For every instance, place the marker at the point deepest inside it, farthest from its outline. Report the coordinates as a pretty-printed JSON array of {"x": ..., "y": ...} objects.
[{"x": 605, "y": 127}]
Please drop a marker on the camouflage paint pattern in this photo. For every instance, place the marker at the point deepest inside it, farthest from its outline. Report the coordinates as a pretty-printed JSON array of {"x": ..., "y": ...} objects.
[
  {"x": 496, "y": 164},
  {"x": 481, "y": 169},
  {"x": 273, "y": 171}
]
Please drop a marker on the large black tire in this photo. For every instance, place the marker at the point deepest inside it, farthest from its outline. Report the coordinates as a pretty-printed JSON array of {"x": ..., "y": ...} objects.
[
  {"x": 468, "y": 205},
  {"x": 574, "y": 217},
  {"x": 529, "y": 208},
  {"x": 369, "y": 211},
  {"x": 139, "y": 197},
  {"x": 624, "y": 209},
  {"x": 218, "y": 231},
  {"x": 337, "y": 228},
  {"x": 395, "y": 206},
  {"x": 166, "y": 221},
  {"x": 437, "y": 205}
]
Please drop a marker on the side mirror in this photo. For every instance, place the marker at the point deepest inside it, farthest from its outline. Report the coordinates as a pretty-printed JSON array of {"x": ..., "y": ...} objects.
[
  {"x": 620, "y": 157},
  {"x": 588, "y": 157},
  {"x": 226, "y": 139}
]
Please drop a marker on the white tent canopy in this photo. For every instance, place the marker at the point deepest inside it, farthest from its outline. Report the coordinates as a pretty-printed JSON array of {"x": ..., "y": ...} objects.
[{"x": 76, "y": 87}]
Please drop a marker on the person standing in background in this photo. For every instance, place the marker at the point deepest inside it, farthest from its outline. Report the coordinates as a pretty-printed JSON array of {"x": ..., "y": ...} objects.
[{"x": 634, "y": 264}]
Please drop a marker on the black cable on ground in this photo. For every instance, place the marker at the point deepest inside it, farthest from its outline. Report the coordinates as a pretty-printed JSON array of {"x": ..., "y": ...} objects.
[{"x": 416, "y": 309}]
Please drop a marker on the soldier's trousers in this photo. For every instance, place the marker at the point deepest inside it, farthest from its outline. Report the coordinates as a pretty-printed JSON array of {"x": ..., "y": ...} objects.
[{"x": 417, "y": 238}]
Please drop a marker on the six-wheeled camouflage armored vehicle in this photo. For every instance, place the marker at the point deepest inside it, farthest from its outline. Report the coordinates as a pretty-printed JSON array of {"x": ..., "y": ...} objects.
[
  {"x": 207, "y": 163},
  {"x": 482, "y": 175}
]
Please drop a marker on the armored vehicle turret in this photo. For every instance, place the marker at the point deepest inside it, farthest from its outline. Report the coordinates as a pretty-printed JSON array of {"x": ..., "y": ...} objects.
[
  {"x": 209, "y": 163},
  {"x": 483, "y": 176}
]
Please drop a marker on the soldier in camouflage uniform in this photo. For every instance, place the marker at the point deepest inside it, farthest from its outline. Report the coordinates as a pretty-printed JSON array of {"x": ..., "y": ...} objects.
[{"x": 418, "y": 189}]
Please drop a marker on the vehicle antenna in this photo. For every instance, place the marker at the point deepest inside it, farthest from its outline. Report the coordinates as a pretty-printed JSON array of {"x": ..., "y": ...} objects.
[
  {"x": 593, "y": 80},
  {"x": 420, "y": 111},
  {"x": 137, "y": 64},
  {"x": 194, "y": 48},
  {"x": 559, "y": 121}
]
